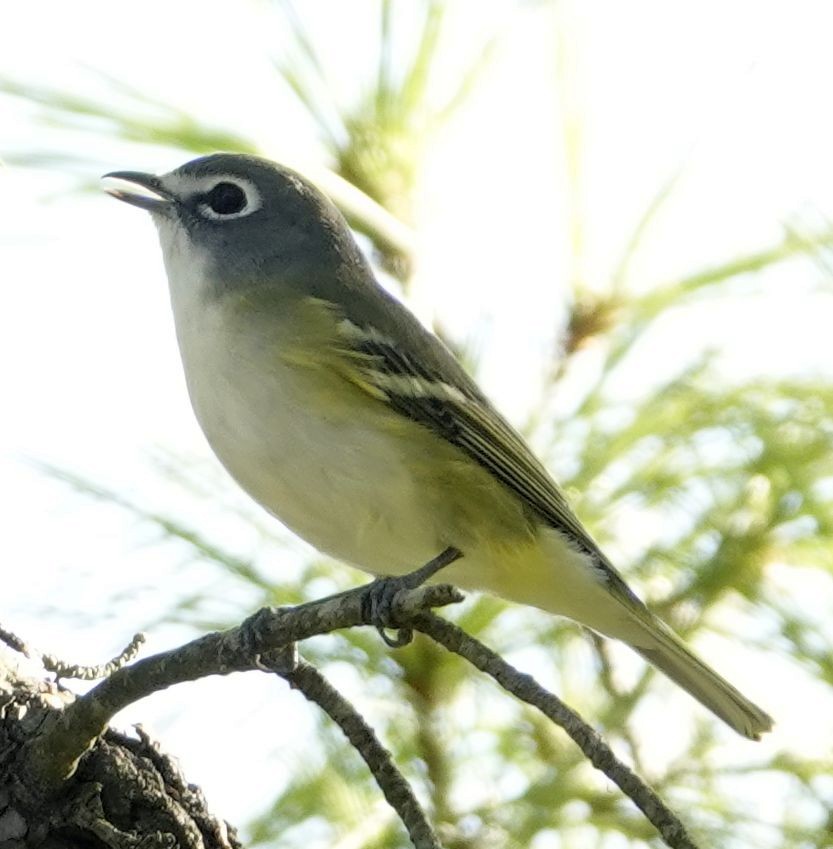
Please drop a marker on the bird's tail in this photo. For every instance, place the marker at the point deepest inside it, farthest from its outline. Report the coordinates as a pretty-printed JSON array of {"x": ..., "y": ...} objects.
[{"x": 664, "y": 649}]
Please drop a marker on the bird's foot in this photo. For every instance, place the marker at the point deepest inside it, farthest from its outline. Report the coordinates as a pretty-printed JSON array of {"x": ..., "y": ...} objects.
[
  {"x": 378, "y": 606},
  {"x": 252, "y": 634}
]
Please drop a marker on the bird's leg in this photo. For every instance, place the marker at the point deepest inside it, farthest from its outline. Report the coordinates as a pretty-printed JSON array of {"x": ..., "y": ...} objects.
[{"x": 377, "y": 606}]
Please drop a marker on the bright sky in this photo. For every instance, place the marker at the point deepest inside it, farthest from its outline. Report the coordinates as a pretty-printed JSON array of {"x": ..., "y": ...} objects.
[{"x": 736, "y": 93}]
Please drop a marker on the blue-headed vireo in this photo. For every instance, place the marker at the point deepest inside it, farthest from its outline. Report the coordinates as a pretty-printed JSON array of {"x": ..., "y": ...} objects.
[{"x": 340, "y": 414}]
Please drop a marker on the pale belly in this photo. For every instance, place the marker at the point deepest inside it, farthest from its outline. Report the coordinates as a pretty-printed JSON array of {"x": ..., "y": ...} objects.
[{"x": 340, "y": 485}]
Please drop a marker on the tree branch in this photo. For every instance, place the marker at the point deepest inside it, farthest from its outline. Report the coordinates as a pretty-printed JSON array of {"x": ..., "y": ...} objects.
[
  {"x": 64, "y": 669},
  {"x": 526, "y": 688},
  {"x": 266, "y": 641},
  {"x": 315, "y": 687},
  {"x": 53, "y": 755}
]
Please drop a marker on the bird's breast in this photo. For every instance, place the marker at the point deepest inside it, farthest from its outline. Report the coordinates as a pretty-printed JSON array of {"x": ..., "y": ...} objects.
[{"x": 304, "y": 443}]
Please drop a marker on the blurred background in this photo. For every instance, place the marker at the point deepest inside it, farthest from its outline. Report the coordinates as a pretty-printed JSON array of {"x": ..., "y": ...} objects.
[{"x": 618, "y": 214}]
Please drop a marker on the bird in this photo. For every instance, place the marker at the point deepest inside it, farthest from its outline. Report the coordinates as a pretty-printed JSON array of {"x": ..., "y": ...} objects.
[{"x": 337, "y": 411}]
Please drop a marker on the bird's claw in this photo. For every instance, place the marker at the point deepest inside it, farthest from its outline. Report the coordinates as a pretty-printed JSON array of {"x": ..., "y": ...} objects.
[
  {"x": 378, "y": 609},
  {"x": 378, "y": 604}
]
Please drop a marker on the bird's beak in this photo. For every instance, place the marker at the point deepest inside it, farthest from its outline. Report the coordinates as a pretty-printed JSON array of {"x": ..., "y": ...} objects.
[{"x": 143, "y": 190}]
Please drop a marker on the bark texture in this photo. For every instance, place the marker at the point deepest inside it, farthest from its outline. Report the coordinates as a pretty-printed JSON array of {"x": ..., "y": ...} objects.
[{"x": 125, "y": 793}]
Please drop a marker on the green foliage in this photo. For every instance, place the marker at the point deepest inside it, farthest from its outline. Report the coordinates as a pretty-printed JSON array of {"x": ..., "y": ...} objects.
[
  {"x": 378, "y": 141},
  {"x": 739, "y": 476}
]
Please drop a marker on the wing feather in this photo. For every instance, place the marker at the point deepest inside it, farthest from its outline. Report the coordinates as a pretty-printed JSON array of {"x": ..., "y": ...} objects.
[{"x": 466, "y": 419}]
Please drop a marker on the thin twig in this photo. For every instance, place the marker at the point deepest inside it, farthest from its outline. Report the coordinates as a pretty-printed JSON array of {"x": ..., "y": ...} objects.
[
  {"x": 92, "y": 673},
  {"x": 527, "y": 689},
  {"x": 64, "y": 669},
  {"x": 315, "y": 687}
]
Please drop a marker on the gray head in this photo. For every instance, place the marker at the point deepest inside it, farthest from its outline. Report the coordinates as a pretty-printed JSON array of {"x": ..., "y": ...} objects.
[{"x": 243, "y": 221}]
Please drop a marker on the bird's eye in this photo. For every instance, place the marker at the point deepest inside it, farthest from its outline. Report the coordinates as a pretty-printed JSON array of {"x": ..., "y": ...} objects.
[
  {"x": 226, "y": 199},
  {"x": 232, "y": 197}
]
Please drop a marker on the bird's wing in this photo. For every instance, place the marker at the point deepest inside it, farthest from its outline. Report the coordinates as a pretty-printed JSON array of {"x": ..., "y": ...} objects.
[{"x": 457, "y": 412}]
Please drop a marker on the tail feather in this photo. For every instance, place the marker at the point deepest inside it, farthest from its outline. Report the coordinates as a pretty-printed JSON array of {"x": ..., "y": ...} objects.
[
  {"x": 590, "y": 591},
  {"x": 663, "y": 649}
]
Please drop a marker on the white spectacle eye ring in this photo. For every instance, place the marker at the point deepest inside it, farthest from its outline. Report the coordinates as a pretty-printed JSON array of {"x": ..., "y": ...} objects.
[{"x": 228, "y": 198}]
